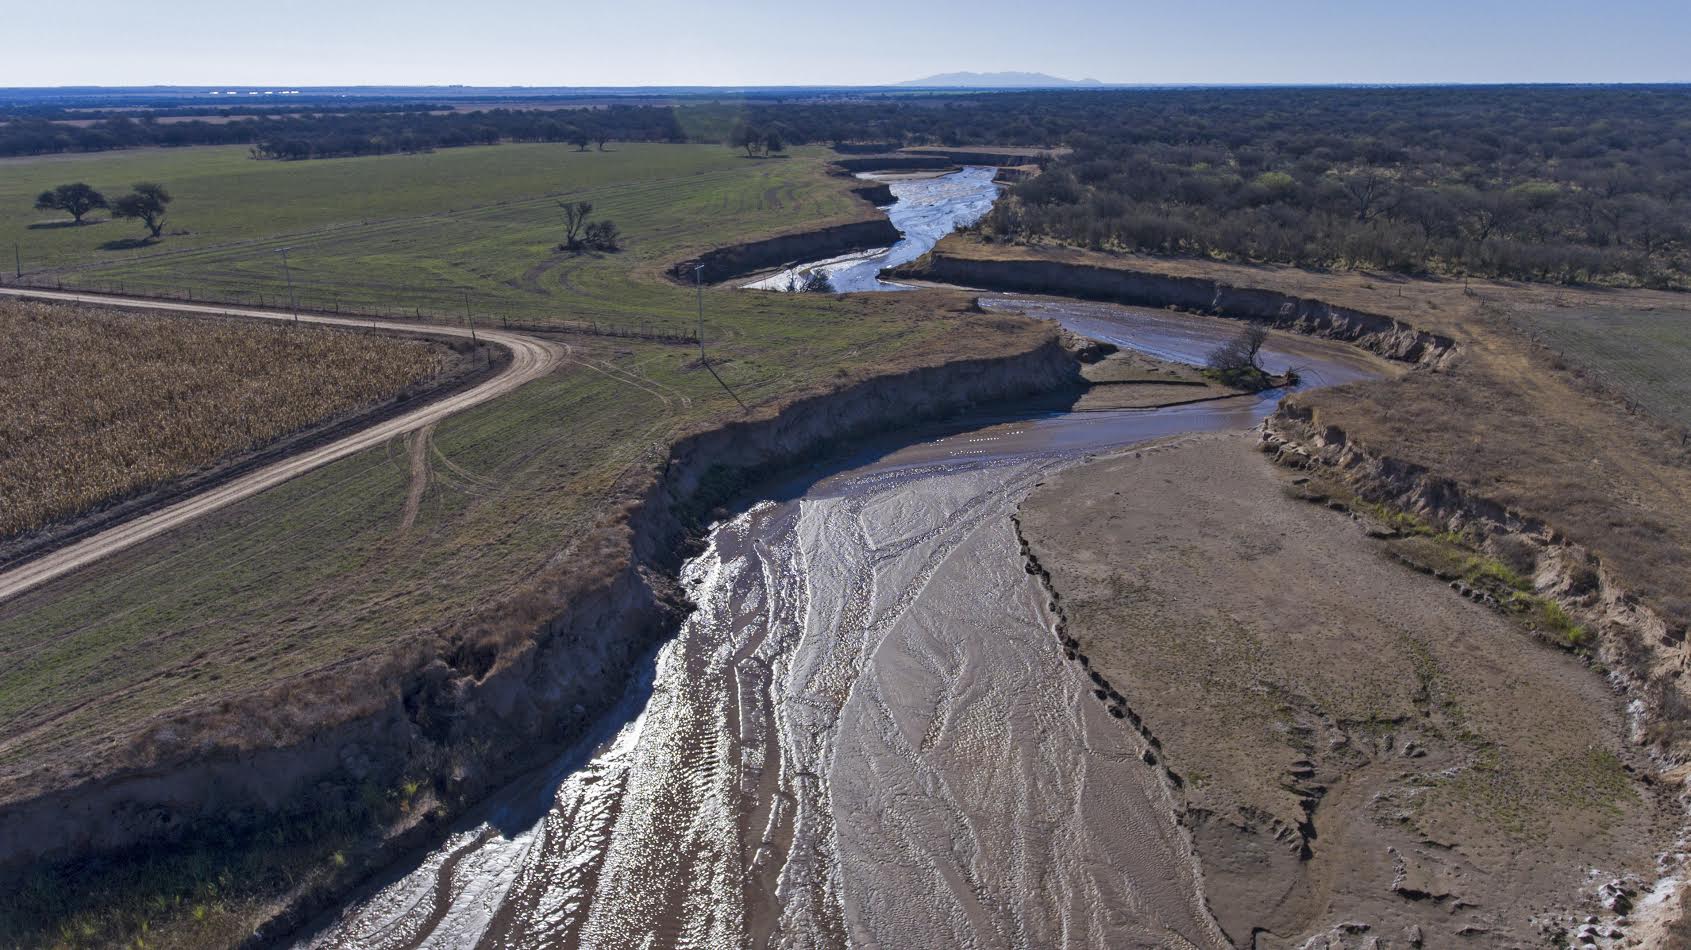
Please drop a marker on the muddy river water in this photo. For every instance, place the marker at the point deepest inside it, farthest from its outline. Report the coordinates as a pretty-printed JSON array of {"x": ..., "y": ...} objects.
[{"x": 867, "y": 734}]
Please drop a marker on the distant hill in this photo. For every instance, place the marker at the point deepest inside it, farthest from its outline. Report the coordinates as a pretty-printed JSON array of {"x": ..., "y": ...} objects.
[{"x": 1008, "y": 80}]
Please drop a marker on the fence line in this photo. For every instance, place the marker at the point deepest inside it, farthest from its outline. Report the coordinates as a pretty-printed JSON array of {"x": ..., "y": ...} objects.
[{"x": 280, "y": 302}]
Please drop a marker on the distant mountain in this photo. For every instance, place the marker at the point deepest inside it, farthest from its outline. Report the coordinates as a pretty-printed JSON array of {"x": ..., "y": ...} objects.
[{"x": 999, "y": 81}]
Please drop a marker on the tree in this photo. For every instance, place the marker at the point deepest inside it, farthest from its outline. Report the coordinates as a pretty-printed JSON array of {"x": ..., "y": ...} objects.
[
  {"x": 575, "y": 221},
  {"x": 600, "y": 138},
  {"x": 812, "y": 282},
  {"x": 772, "y": 142},
  {"x": 747, "y": 137},
  {"x": 145, "y": 204},
  {"x": 1241, "y": 357},
  {"x": 1372, "y": 194},
  {"x": 75, "y": 200},
  {"x": 603, "y": 236},
  {"x": 580, "y": 140}
]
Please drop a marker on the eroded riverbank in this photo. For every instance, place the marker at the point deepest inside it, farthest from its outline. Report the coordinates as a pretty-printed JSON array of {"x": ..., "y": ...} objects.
[
  {"x": 867, "y": 723},
  {"x": 927, "y": 207},
  {"x": 1361, "y": 751}
]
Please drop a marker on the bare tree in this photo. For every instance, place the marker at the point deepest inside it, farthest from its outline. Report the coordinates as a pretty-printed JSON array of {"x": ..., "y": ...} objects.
[
  {"x": 1489, "y": 212},
  {"x": 810, "y": 282},
  {"x": 1242, "y": 354},
  {"x": 603, "y": 236},
  {"x": 1372, "y": 193},
  {"x": 575, "y": 221}
]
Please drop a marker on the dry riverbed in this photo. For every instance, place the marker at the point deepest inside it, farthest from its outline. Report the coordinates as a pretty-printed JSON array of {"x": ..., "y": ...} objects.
[{"x": 1358, "y": 750}]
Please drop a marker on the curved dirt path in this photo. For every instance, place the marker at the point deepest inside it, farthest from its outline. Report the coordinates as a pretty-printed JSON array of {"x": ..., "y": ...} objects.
[{"x": 531, "y": 358}]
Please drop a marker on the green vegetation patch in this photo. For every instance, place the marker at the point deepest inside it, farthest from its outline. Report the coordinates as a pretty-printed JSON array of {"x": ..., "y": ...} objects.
[{"x": 474, "y": 229}]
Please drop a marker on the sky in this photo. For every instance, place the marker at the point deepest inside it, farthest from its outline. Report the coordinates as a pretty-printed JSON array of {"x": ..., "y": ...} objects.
[{"x": 767, "y": 42}]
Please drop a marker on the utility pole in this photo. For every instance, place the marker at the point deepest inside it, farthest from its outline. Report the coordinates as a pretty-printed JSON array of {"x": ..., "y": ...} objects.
[
  {"x": 469, "y": 320},
  {"x": 289, "y": 274},
  {"x": 17, "y": 259},
  {"x": 699, "y": 284}
]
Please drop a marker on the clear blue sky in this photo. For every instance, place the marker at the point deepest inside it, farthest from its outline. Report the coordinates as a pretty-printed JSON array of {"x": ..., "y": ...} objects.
[{"x": 767, "y": 42}]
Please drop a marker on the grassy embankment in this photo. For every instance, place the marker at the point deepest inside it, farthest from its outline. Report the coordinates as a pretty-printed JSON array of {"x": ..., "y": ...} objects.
[{"x": 328, "y": 571}]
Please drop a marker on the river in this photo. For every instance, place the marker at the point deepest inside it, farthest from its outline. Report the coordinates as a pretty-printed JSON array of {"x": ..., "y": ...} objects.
[
  {"x": 927, "y": 208},
  {"x": 867, "y": 734}
]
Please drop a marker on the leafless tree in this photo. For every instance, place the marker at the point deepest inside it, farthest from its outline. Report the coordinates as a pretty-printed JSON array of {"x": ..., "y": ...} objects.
[
  {"x": 575, "y": 221},
  {"x": 1372, "y": 193},
  {"x": 1242, "y": 353}
]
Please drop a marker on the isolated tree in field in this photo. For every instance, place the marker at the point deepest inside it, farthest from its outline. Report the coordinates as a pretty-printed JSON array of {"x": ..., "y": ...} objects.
[
  {"x": 772, "y": 142},
  {"x": 576, "y": 214},
  {"x": 75, "y": 200},
  {"x": 600, "y": 138},
  {"x": 1242, "y": 354},
  {"x": 580, "y": 140},
  {"x": 602, "y": 236},
  {"x": 145, "y": 204},
  {"x": 746, "y": 137}
]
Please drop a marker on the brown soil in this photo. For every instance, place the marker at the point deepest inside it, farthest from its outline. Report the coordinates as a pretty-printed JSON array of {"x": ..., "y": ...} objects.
[
  {"x": 1361, "y": 750},
  {"x": 1129, "y": 380},
  {"x": 1505, "y": 418}
]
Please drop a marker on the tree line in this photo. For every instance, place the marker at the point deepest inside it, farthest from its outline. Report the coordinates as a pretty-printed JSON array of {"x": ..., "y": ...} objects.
[
  {"x": 1550, "y": 183},
  {"x": 1567, "y": 185},
  {"x": 363, "y": 132}
]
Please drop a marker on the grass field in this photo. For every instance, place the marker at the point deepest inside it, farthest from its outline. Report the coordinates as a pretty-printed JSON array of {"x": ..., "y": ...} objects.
[
  {"x": 332, "y": 565},
  {"x": 96, "y": 404},
  {"x": 1642, "y": 353},
  {"x": 351, "y": 562},
  {"x": 406, "y": 232}
]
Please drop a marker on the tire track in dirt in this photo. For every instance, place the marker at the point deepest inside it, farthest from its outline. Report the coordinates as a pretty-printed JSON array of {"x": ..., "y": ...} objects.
[{"x": 419, "y": 446}]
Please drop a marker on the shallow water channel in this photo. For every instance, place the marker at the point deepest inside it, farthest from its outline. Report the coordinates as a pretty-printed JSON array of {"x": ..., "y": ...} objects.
[
  {"x": 867, "y": 734},
  {"x": 928, "y": 207}
]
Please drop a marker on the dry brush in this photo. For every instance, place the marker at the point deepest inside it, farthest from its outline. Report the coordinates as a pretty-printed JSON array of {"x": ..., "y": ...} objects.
[{"x": 99, "y": 404}]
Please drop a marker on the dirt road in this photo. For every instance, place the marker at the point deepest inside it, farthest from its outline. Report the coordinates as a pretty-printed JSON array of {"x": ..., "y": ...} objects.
[{"x": 531, "y": 358}]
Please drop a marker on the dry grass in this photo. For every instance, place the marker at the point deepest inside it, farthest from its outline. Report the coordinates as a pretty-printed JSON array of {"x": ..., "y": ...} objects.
[
  {"x": 1535, "y": 427},
  {"x": 98, "y": 404}
]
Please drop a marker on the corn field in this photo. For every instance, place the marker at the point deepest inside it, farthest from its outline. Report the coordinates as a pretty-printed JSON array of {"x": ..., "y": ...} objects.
[{"x": 99, "y": 404}]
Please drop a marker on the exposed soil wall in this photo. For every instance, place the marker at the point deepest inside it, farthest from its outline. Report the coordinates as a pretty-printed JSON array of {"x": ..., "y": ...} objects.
[
  {"x": 1632, "y": 640},
  {"x": 904, "y": 163},
  {"x": 1390, "y": 338},
  {"x": 742, "y": 259},
  {"x": 879, "y": 194},
  {"x": 1644, "y": 655},
  {"x": 479, "y": 706}
]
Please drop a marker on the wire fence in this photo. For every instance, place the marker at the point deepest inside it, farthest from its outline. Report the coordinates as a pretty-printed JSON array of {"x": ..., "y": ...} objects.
[{"x": 639, "y": 329}]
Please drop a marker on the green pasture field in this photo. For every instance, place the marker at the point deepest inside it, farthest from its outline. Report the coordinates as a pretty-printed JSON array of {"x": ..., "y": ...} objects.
[
  {"x": 1642, "y": 353},
  {"x": 402, "y": 233},
  {"x": 320, "y": 569}
]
